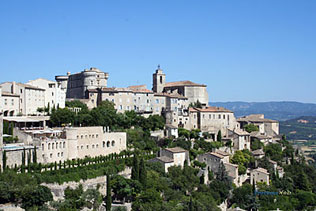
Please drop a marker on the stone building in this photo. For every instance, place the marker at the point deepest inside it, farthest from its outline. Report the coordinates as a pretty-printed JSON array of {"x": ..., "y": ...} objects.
[
  {"x": 212, "y": 119},
  {"x": 193, "y": 91},
  {"x": 239, "y": 138},
  {"x": 30, "y": 97},
  {"x": 10, "y": 104},
  {"x": 214, "y": 160},
  {"x": 266, "y": 127},
  {"x": 55, "y": 96},
  {"x": 79, "y": 83},
  {"x": 172, "y": 157},
  {"x": 259, "y": 175},
  {"x": 55, "y": 145}
]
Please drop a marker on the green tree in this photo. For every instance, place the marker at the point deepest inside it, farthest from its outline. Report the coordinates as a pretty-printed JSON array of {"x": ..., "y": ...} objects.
[
  {"x": 142, "y": 172},
  {"x": 219, "y": 136},
  {"x": 135, "y": 168},
  {"x": 4, "y": 160},
  {"x": 108, "y": 193},
  {"x": 251, "y": 128}
]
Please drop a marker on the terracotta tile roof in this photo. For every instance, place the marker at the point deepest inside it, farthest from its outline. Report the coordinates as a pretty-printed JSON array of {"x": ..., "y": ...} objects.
[
  {"x": 182, "y": 83},
  {"x": 213, "y": 109},
  {"x": 255, "y": 119},
  {"x": 163, "y": 159},
  {"x": 240, "y": 132},
  {"x": 140, "y": 89},
  {"x": 222, "y": 153},
  {"x": 175, "y": 149},
  {"x": 29, "y": 86},
  {"x": 262, "y": 170},
  {"x": 258, "y": 152},
  {"x": 215, "y": 154}
]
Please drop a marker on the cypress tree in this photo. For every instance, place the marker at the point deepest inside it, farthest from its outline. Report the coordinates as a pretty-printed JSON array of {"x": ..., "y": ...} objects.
[
  {"x": 135, "y": 168},
  {"x": 219, "y": 136},
  {"x": 34, "y": 155},
  {"x": 108, "y": 193},
  {"x": 23, "y": 161},
  {"x": 142, "y": 172},
  {"x": 29, "y": 161},
  {"x": 4, "y": 160},
  {"x": 11, "y": 128}
]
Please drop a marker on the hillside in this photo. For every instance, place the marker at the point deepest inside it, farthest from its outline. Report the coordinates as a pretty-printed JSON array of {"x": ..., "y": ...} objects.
[
  {"x": 302, "y": 128},
  {"x": 274, "y": 110}
]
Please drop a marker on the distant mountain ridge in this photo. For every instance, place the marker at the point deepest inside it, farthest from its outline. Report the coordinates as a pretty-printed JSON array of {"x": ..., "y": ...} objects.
[
  {"x": 301, "y": 128},
  {"x": 283, "y": 110}
]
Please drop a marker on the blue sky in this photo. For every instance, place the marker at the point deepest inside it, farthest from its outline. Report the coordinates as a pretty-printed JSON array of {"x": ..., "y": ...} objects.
[{"x": 243, "y": 50}]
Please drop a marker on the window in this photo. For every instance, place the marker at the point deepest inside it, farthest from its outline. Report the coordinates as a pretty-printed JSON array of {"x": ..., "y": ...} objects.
[
  {"x": 87, "y": 146},
  {"x": 219, "y": 116},
  {"x": 81, "y": 146},
  {"x": 48, "y": 145},
  {"x": 223, "y": 116},
  {"x": 92, "y": 146},
  {"x": 58, "y": 154},
  {"x": 53, "y": 145},
  {"x": 51, "y": 155},
  {"x": 108, "y": 144},
  {"x": 60, "y": 145},
  {"x": 103, "y": 143},
  {"x": 157, "y": 101},
  {"x": 97, "y": 135},
  {"x": 42, "y": 146},
  {"x": 97, "y": 146},
  {"x": 64, "y": 144},
  {"x": 161, "y": 79},
  {"x": 56, "y": 145},
  {"x": 62, "y": 154}
]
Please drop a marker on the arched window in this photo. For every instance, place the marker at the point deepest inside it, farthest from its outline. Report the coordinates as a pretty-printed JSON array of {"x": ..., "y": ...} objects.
[
  {"x": 113, "y": 143},
  {"x": 103, "y": 143},
  {"x": 53, "y": 145},
  {"x": 108, "y": 144},
  {"x": 43, "y": 147},
  {"x": 56, "y": 145},
  {"x": 48, "y": 145},
  {"x": 64, "y": 144}
]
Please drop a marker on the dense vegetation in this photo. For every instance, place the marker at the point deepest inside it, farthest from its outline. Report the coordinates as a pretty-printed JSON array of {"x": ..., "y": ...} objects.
[{"x": 302, "y": 128}]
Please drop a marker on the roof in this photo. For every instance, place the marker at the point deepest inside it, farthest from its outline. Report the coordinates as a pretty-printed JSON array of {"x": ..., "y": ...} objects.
[
  {"x": 213, "y": 109},
  {"x": 222, "y": 153},
  {"x": 27, "y": 86},
  {"x": 182, "y": 83},
  {"x": 258, "y": 152},
  {"x": 163, "y": 159},
  {"x": 216, "y": 154},
  {"x": 256, "y": 118},
  {"x": 262, "y": 170},
  {"x": 10, "y": 94},
  {"x": 176, "y": 95},
  {"x": 240, "y": 132},
  {"x": 171, "y": 126},
  {"x": 175, "y": 149},
  {"x": 139, "y": 89}
]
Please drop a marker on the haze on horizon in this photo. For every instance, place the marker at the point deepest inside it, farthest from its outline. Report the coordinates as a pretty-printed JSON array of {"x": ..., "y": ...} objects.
[{"x": 242, "y": 50}]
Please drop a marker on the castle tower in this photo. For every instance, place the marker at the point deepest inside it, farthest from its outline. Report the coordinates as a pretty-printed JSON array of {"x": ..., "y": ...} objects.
[{"x": 159, "y": 80}]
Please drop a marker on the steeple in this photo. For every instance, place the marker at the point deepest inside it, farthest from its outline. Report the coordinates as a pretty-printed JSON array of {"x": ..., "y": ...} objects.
[{"x": 159, "y": 80}]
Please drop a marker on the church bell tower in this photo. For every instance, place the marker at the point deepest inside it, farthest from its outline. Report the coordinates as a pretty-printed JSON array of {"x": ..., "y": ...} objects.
[{"x": 159, "y": 80}]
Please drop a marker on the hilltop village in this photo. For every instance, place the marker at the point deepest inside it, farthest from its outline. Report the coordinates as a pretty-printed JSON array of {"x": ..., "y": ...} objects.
[{"x": 77, "y": 123}]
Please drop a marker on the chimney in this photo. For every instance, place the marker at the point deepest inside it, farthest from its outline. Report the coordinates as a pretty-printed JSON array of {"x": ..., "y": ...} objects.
[{"x": 13, "y": 87}]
